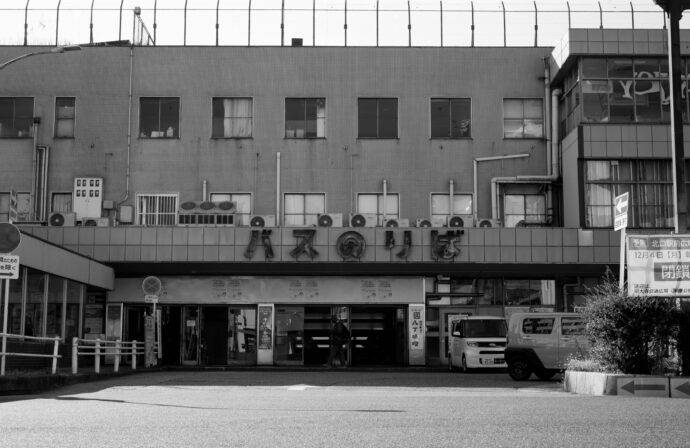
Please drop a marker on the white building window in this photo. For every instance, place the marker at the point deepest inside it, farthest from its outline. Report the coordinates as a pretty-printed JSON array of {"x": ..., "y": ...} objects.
[
  {"x": 305, "y": 117},
  {"x": 523, "y": 118},
  {"x": 372, "y": 203},
  {"x": 65, "y": 116},
  {"x": 302, "y": 209},
  {"x": 61, "y": 202},
  {"x": 243, "y": 202},
  {"x": 440, "y": 205},
  {"x": 232, "y": 117},
  {"x": 159, "y": 118},
  {"x": 157, "y": 209},
  {"x": 520, "y": 209}
]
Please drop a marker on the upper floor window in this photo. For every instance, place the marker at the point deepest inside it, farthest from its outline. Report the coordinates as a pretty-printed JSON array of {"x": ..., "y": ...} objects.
[
  {"x": 521, "y": 209},
  {"x": 304, "y": 208},
  {"x": 232, "y": 117},
  {"x": 61, "y": 202},
  {"x": 64, "y": 117},
  {"x": 156, "y": 209},
  {"x": 649, "y": 183},
  {"x": 523, "y": 118},
  {"x": 243, "y": 205},
  {"x": 377, "y": 117},
  {"x": 440, "y": 205},
  {"x": 450, "y": 117},
  {"x": 373, "y": 204},
  {"x": 23, "y": 206},
  {"x": 305, "y": 117},
  {"x": 16, "y": 117},
  {"x": 159, "y": 118}
]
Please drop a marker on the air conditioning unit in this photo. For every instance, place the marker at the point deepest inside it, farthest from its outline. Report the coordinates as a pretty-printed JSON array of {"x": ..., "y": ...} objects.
[
  {"x": 262, "y": 221},
  {"x": 486, "y": 222},
  {"x": 95, "y": 222},
  {"x": 206, "y": 219},
  {"x": 396, "y": 222},
  {"x": 460, "y": 221},
  {"x": 62, "y": 219},
  {"x": 330, "y": 220},
  {"x": 363, "y": 220},
  {"x": 208, "y": 207},
  {"x": 431, "y": 222}
]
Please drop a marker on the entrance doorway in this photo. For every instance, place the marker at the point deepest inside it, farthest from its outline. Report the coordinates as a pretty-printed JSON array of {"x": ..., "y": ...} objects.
[
  {"x": 190, "y": 335},
  {"x": 214, "y": 335},
  {"x": 171, "y": 323},
  {"x": 378, "y": 335}
]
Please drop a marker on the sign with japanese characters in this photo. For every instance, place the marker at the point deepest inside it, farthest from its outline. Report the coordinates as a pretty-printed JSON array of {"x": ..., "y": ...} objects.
[
  {"x": 620, "y": 212},
  {"x": 659, "y": 265},
  {"x": 416, "y": 327},
  {"x": 9, "y": 267}
]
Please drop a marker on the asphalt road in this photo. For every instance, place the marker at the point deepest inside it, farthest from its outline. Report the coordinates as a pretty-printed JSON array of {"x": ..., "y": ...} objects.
[{"x": 336, "y": 409}]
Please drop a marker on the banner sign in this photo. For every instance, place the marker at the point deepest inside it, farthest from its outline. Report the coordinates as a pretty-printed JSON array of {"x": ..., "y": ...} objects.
[{"x": 659, "y": 265}]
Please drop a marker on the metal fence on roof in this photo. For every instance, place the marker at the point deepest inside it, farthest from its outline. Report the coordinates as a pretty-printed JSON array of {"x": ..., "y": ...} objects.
[{"x": 318, "y": 23}]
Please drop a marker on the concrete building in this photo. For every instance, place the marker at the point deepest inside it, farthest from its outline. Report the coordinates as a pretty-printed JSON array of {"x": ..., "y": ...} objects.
[{"x": 260, "y": 190}]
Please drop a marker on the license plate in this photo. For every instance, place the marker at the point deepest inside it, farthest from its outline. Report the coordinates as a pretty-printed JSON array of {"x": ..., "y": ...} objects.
[{"x": 488, "y": 362}]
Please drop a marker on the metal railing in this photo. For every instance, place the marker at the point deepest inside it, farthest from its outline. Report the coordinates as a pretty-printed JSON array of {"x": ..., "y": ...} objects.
[
  {"x": 4, "y": 353},
  {"x": 330, "y": 22},
  {"x": 100, "y": 347}
]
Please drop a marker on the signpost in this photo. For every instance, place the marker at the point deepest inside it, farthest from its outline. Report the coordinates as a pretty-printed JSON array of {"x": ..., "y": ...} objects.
[
  {"x": 10, "y": 237},
  {"x": 620, "y": 223}
]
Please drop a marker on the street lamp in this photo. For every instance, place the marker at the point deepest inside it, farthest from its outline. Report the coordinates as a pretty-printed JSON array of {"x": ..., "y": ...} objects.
[{"x": 60, "y": 49}]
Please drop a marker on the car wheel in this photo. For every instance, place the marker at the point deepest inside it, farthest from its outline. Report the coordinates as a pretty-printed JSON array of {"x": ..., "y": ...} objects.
[
  {"x": 464, "y": 365},
  {"x": 519, "y": 369},
  {"x": 545, "y": 375}
]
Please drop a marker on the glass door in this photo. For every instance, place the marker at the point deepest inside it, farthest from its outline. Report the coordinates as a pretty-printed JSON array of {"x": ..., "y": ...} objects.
[
  {"x": 289, "y": 342},
  {"x": 242, "y": 335},
  {"x": 190, "y": 336}
]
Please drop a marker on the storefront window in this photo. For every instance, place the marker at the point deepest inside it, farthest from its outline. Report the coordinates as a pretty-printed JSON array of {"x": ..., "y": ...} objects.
[
  {"x": 56, "y": 292},
  {"x": 241, "y": 334},
  {"x": 289, "y": 343},
  {"x": 33, "y": 314},
  {"x": 529, "y": 292},
  {"x": 72, "y": 311},
  {"x": 14, "y": 308}
]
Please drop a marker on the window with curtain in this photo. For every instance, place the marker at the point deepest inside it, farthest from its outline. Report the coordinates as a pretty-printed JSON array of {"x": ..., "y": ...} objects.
[
  {"x": 524, "y": 209},
  {"x": 16, "y": 117},
  {"x": 648, "y": 182},
  {"x": 305, "y": 117},
  {"x": 65, "y": 115},
  {"x": 377, "y": 117},
  {"x": 156, "y": 209},
  {"x": 243, "y": 203},
  {"x": 303, "y": 209},
  {"x": 372, "y": 204},
  {"x": 159, "y": 118},
  {"x": 450, "y": 117},
  {"x": 232, "y": 117},
  {"x": 61, "y": 202},
  {"x": 523, "y": 118},
  {"x": 440, "y": 205}
]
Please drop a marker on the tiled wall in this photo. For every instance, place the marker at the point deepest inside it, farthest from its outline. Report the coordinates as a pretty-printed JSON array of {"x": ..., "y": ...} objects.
[{"x": 223, "y": 244}]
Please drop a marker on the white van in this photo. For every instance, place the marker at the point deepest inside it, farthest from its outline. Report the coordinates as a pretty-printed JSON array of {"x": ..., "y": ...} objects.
[
  {"x": 476, "y": 342},
  {"x": 542, "y": 343}
]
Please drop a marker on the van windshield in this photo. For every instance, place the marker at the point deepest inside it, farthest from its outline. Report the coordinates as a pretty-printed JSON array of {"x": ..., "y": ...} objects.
[{"x": 490, "y": 328}]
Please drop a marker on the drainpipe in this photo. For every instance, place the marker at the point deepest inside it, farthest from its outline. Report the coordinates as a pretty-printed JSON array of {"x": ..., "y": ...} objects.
[
  {"x": 204, "y": 190},
  {"x": 278, "y": 189},
  {"x": 129, "y": 126},
  {"x": 451, "y": 193},
  {"x": 35, "y": 170},
  {"x": 474, "y": 186},
  {"x": 385, "y": 196}
]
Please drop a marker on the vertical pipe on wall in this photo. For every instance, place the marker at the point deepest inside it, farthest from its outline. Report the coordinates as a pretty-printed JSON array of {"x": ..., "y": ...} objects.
[
  {"x": 217, "y": 5},
  {"x": 155, "y": 23},
  {"x": 129, "y": 124},
  {"x": 44, "y": 196},
  {"x": 249, "y": 24},
  {"x": 601, "y": 16},
  {"x": 204, "y": 190},
  {"x": 409, "y": 25},
  {"x": 632, "y": 15},
  {"x": 184, "y": 42},
  {"x": 313, "y": 24},
  {"x": 278, "y": 220},
  {"x": 385, "y": 197},
  {"x": 441, "y": 19},
  {"x": 282, "y": 23},
  {"x": 26, "y": 23},
  {"x": 472, "y": 27},
  {"x": 536, "y": 24},
  {"x": 450, "y": 198},
  {"x": 504, "y": 24},
  {"x": 345, "y": 25},
  {"x": 91, "y": 24},
  {"x": 377, "y": 23},
  {"x": 568, "y": 5},
  {"x": 119, "y": 33},
  {"x": 57, "y": 22}
]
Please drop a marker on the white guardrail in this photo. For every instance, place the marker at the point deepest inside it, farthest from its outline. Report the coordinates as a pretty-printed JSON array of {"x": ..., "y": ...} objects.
[{"x": 4, "y": 353}]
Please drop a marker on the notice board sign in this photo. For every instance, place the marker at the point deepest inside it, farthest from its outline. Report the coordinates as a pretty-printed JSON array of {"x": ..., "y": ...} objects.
[{"x": 659, "y": 265}]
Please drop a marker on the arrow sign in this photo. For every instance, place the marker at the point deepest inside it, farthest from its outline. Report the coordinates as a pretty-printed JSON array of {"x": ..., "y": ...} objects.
[
  {"x": 680, "y": 388},
  {"x": 631, "y": 387},
  {"x": 648, "y": 386},
  {"x": 620, "y": 209}
]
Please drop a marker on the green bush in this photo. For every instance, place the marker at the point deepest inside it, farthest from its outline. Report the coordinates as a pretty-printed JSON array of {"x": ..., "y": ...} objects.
[{"x": 629, "y": 334}]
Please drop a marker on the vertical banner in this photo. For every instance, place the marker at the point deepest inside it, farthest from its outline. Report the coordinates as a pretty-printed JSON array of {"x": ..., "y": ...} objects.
[
  {"x": 416, "y": 326},
  {"x": 264, "y": 355}
]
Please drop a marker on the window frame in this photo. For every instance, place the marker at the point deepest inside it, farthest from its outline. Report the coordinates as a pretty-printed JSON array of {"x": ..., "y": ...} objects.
[
  {"x": 308, "y": 219},
  {"x": 54, "y": 194},
  {"x": 524, "y": 119},
  {"x": 378, "y": 118},
  {"x": 525, "y": 216},
  {"x": 157, "y": 215},
  {"x": 450, "y": 119},
  {"x": 176, "y": 130},
  {"x": 57, "y": 120},
  {"x": 306, "y": 120},
  {"x": 379, "y": 206},
  {"x": 447, "y": 195},
  {"x": 213, "y": 118},
  {"x": 14, "y": 117}
]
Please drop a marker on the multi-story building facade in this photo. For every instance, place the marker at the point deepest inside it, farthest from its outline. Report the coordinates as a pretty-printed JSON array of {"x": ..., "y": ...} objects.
[{"x": 266, "y": 188}]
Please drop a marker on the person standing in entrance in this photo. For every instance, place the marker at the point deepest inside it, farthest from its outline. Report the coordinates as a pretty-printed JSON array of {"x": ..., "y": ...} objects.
[{"x": 339, "y": 337}]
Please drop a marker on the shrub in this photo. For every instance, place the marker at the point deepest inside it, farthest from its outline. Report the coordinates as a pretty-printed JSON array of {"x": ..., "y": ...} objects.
[{"x": 629, "y": 334}]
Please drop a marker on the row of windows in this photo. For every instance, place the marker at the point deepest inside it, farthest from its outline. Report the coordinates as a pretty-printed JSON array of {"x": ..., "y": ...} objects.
[
  {"x": 301, "y": 208},
  {"x": 305, "y": 118}
]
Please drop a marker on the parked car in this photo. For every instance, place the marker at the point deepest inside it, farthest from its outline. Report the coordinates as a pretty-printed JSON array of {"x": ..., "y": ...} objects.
[
  {"x": 542, "y": 343},
  {"x": 477, "y": 341}
]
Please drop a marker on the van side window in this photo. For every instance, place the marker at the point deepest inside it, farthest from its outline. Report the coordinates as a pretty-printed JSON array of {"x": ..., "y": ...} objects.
[
  {"x": 572, "y": 326},
  {"x": 538, "y": 325}
]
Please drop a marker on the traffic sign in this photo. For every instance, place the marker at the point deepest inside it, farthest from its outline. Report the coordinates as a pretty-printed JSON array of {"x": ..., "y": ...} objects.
[
  {"x": 9, "y": 267},
  {"x": 10, "y": 237},
  {"x": 150, "y": 298},
  {"x": 620, "y": 209}
]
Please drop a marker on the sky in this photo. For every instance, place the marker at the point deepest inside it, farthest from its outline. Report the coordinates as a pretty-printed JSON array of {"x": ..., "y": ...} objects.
[{"x": 70, "y": 24}]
